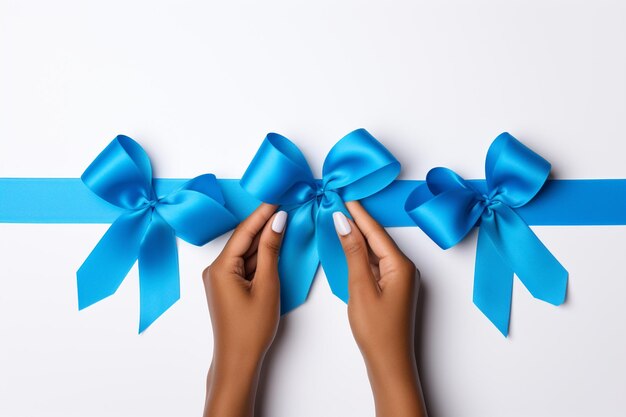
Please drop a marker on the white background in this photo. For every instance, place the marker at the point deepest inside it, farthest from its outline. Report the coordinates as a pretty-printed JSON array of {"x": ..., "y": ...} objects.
[{"x": 199, "y": 83}]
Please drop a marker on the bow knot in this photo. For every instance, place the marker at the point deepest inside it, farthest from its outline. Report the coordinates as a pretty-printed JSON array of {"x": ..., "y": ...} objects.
[
  {"x": 447, "y": 207},
  {"x": 152, "y": 203},
  {"x": 356, "y": 167},
  {"x": 319, "y": 190},
  {"x": 490, "y": 202},
  {"x": 147, "y": 229}
]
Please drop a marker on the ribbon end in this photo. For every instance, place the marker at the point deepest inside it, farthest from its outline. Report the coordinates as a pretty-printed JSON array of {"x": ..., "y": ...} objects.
[
  {"x": 82, "y": 304},
  {"x": 89, "y": 292},
  {"x": 552, "y": 288},
  {"x": 341, "y": 292},
  {"x": 557, "y": 293},
  {"x": 500, "y": 319},
  {"x": 504, "y": 328},
  {"x": 287, "y": 308},
  {"x": 143, "y": 325},
  {"x": 149, "y": 315}
]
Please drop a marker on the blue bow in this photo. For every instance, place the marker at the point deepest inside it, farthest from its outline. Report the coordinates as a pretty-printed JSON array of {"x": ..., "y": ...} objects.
[
  {"x": 147, "y": 230},
  {"x": 447, "y": 207},
  {"x": 356, "y": 167}
]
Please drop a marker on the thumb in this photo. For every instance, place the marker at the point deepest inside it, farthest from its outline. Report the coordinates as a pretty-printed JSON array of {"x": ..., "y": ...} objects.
[
  {"x": 360, "y": 276},
  {"x": 269, "y": 249}
]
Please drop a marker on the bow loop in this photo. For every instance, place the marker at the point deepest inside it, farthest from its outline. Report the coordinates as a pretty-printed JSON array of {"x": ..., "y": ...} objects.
[
  {"x": 446, "y": 207},
  {"x": 121, "y": 174},
  {"x": 186, "y": 209},
  {"x": 279, "y": 173},
  {"x": 356, "y": 167},
  {"x": 441, "y": 179},
  {"x": 147, "y": 230},
  {"x": 514, "y": 171},
  {"x": 357, "y": 164},
  {"x": 446, "y": 217}
]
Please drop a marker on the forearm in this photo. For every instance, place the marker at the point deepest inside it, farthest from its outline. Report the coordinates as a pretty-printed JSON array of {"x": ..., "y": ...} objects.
[
  {"x": 396, "y": 387},
  {"x": 231, "y": 388}
]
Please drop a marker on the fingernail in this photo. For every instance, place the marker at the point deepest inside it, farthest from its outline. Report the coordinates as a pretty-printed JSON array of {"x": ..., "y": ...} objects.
[
  {"x": 341, "y": 223},
  {"x": 278, "y": 225}
]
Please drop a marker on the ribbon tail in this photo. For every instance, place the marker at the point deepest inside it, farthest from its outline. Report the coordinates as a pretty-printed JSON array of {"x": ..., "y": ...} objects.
[
  {"x": 298, "y": 258},
  {"x": 108, "y": 264},
  {"x": 540, "y": 272},
  {"x": 493, "y": 282},
  {"x": 331, "y": 253},
  {"x": 159, "y": 281}
]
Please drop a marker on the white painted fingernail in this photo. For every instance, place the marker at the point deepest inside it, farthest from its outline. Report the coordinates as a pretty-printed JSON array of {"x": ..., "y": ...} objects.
[
  {"x": 341, "y": 223},
  {"x": 280, "y": 220}
]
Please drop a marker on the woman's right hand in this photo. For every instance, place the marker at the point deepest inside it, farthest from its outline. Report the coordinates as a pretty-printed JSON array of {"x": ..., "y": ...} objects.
[{"x": 383, "y": 285}]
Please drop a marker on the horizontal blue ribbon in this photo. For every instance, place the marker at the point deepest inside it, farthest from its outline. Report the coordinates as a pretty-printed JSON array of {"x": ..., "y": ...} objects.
[{"x": 563, "y": 202}]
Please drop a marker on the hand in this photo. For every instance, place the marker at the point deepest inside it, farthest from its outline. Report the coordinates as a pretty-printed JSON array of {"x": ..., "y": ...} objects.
[
  {"x": 243, "y": 293},
  {"x": 383, "y": 285}
]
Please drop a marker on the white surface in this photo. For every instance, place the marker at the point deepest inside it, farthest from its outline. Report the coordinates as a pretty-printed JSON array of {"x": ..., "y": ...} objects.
[{"x": 199, "y": 83}]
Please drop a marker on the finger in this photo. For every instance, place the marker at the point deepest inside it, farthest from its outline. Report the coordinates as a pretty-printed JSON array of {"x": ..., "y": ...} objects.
[
  {"x": 243, "y": 236},
  {"x": 355, "y": 248},
  {"x": 269, "y": 249},
  {"x": 253, "y": 247},
  {"x": 377, "y": 237},
  {"x": 250, "y": 265}
]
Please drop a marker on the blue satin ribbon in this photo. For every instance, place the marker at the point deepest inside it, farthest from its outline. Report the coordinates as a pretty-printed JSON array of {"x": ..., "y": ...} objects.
[
  {"x": 147, "y": 228},
  {"x": 447, "y": 207},
  {"x": 356, "y": 167},
  {"x": 572, "y": 202}
]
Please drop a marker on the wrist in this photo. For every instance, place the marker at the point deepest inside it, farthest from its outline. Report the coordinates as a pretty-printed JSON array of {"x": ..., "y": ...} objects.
[
  {"x": 392, "y": 367},
  {"x": 389, "y": 359},
  {"x": 237, "y": 364},
  {"x": 231, "y": 386},
  {"x": 395, "y": 385}
]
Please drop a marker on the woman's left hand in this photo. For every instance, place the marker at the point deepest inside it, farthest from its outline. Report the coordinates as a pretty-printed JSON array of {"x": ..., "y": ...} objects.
[{"x": 243, "y": 293}]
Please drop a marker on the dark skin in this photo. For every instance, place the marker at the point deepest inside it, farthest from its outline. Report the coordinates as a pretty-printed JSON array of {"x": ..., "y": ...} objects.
[{"x": 243, "y": 293}]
